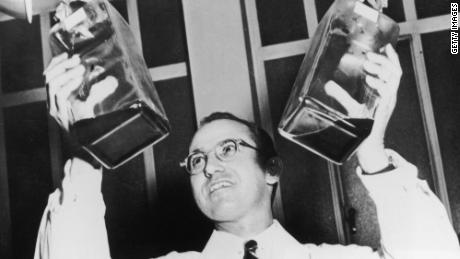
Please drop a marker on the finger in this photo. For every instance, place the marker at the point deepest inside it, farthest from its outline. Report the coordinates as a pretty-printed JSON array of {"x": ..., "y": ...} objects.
[
  {"x": 52, "y": 104},
  {"x": 61, "y": 67},
  {"x": 63, "y": 103},
  {"x": 383, "y": 61},
  {"x": 352, "y": 107},
  {"x": 64, "y": 114},
  {"x": 377, "y": 70},
  {"x": 57, "y": 97},
  {"x": 377, "y": 84},
  {"x": 56, "y": 60},
  {"x": 101, "y": 90},
  {"x": 66, "y": 90},
  {"x": 60, "y": 80}
]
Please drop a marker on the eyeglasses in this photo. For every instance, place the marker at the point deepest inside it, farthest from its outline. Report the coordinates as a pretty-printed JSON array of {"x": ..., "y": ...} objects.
[{"x": 224, "y": 151}]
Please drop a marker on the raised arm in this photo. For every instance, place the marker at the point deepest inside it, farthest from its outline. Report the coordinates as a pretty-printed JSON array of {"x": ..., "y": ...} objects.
[
  {"x": 413, "y": 222},
  {"x": 73, "y": 223}
]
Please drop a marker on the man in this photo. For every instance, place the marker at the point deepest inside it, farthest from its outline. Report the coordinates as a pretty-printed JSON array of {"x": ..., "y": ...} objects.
[{"x": 233, "y": 170}]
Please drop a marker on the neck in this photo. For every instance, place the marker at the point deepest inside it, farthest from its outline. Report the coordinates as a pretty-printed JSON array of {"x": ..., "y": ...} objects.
[{"x": 249, "y": 226}]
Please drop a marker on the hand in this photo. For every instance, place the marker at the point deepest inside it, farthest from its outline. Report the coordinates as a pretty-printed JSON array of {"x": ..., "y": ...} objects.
[
  {"x": 63, "y": 76},
  {"x": 384, "y": 75}
]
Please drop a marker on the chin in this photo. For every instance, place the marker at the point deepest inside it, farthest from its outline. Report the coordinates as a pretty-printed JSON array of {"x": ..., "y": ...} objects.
[{"x": 225, "y": 211}]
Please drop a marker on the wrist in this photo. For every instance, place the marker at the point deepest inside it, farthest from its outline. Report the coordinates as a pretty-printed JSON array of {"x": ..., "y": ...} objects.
[
  {"x": 372, "y": 157},
  {"x": 388, "y": 168}
]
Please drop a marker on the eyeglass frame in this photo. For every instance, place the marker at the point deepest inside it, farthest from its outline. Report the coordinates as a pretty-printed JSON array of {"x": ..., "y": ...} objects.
[{"x": 239, "y": 142}]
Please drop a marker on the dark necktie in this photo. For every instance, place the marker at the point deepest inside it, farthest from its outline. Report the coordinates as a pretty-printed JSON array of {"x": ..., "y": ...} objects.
[{"x": 250, "y": 248}]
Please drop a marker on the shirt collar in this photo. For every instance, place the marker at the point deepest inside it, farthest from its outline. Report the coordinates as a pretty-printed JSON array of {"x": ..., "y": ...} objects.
[{"x": 273, "y": 240}]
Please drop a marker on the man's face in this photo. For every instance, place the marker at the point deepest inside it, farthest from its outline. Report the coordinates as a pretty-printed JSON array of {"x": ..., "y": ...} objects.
[{"x": 230, "y": 190}]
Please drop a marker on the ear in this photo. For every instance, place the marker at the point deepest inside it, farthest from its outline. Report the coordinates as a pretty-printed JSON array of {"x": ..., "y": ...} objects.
[{"x": 273, "y": 169}]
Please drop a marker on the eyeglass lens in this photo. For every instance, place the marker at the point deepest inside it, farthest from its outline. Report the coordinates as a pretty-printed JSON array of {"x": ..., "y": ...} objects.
[{"x": 224, "y": 151}]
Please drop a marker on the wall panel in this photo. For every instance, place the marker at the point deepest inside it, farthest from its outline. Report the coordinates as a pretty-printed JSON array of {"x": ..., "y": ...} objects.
[
  {"x": 305, "y": 182},
  {"x": 162, "y": 31},
  {"x": 21, "y": 62},
  {"x": 281, "y": 21},
  {"x": 180, "y": 225},
  {"x": 29, "y": 173},
  {"x": 443, "y": 77}
]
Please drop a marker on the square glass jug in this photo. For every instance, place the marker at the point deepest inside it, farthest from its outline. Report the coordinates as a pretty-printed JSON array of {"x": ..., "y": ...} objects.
[{"x": 317, "y": 115}]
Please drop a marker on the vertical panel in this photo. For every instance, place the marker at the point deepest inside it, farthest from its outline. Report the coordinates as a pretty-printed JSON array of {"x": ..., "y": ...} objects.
[
  {"x": 5, "y": 217},
  {"x": 281, "y": 21},
  {"x": 127, "y": 216},
  {"x": 21, "y": 62},
  {"x": 442, "y": 70},
  {"x": 311, "y": 16},
  {"x": 358, "y": 200},
  {"x": 29, "y": 172},
  {"x": 162, "y": 32},
  {"x": 305, "y": 184},
  {"x": 405, "y": 132},
  {"x": 181, "y": 226},
  {"x": 53, "y": 128},
  {"x": 259, "y": 84},
  {"x": 427, "y": 107},
  {"x": 428, "y": 8},
  {"x": 217, "y": 57},
  {"x": 406, "y": 135}
]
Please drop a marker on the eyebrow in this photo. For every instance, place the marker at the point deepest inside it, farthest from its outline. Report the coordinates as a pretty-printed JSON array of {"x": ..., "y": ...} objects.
[{"x": 196, "y": 150}]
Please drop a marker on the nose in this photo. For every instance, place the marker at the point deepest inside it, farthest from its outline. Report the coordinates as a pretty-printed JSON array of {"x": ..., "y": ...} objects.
[{"x": 213, "y": 165}]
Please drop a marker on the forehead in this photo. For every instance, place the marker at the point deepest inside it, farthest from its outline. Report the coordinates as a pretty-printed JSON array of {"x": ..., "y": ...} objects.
[{"x": 213, "y": 132}]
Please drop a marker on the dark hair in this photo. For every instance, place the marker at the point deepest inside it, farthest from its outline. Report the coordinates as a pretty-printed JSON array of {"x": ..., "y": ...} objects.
[{"x": 261, "y": 138}]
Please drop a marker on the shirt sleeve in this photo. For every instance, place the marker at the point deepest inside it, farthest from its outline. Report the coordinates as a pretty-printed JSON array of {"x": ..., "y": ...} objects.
[
  {"x": 75, "y": 230},
  {"x": 413, "y": 222}
]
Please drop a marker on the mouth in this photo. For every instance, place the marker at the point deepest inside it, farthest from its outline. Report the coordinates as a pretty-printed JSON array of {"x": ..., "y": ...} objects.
[{"x": 219, "y": 185}]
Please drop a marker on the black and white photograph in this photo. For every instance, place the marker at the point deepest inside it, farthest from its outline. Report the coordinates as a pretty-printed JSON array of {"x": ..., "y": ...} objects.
[{"x": 212, "y": 129}]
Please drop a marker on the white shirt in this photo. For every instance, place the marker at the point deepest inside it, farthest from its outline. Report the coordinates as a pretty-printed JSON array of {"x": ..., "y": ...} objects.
[
  {"x": 413, "y": 224},
  {"x": 273, "y": 243}
]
